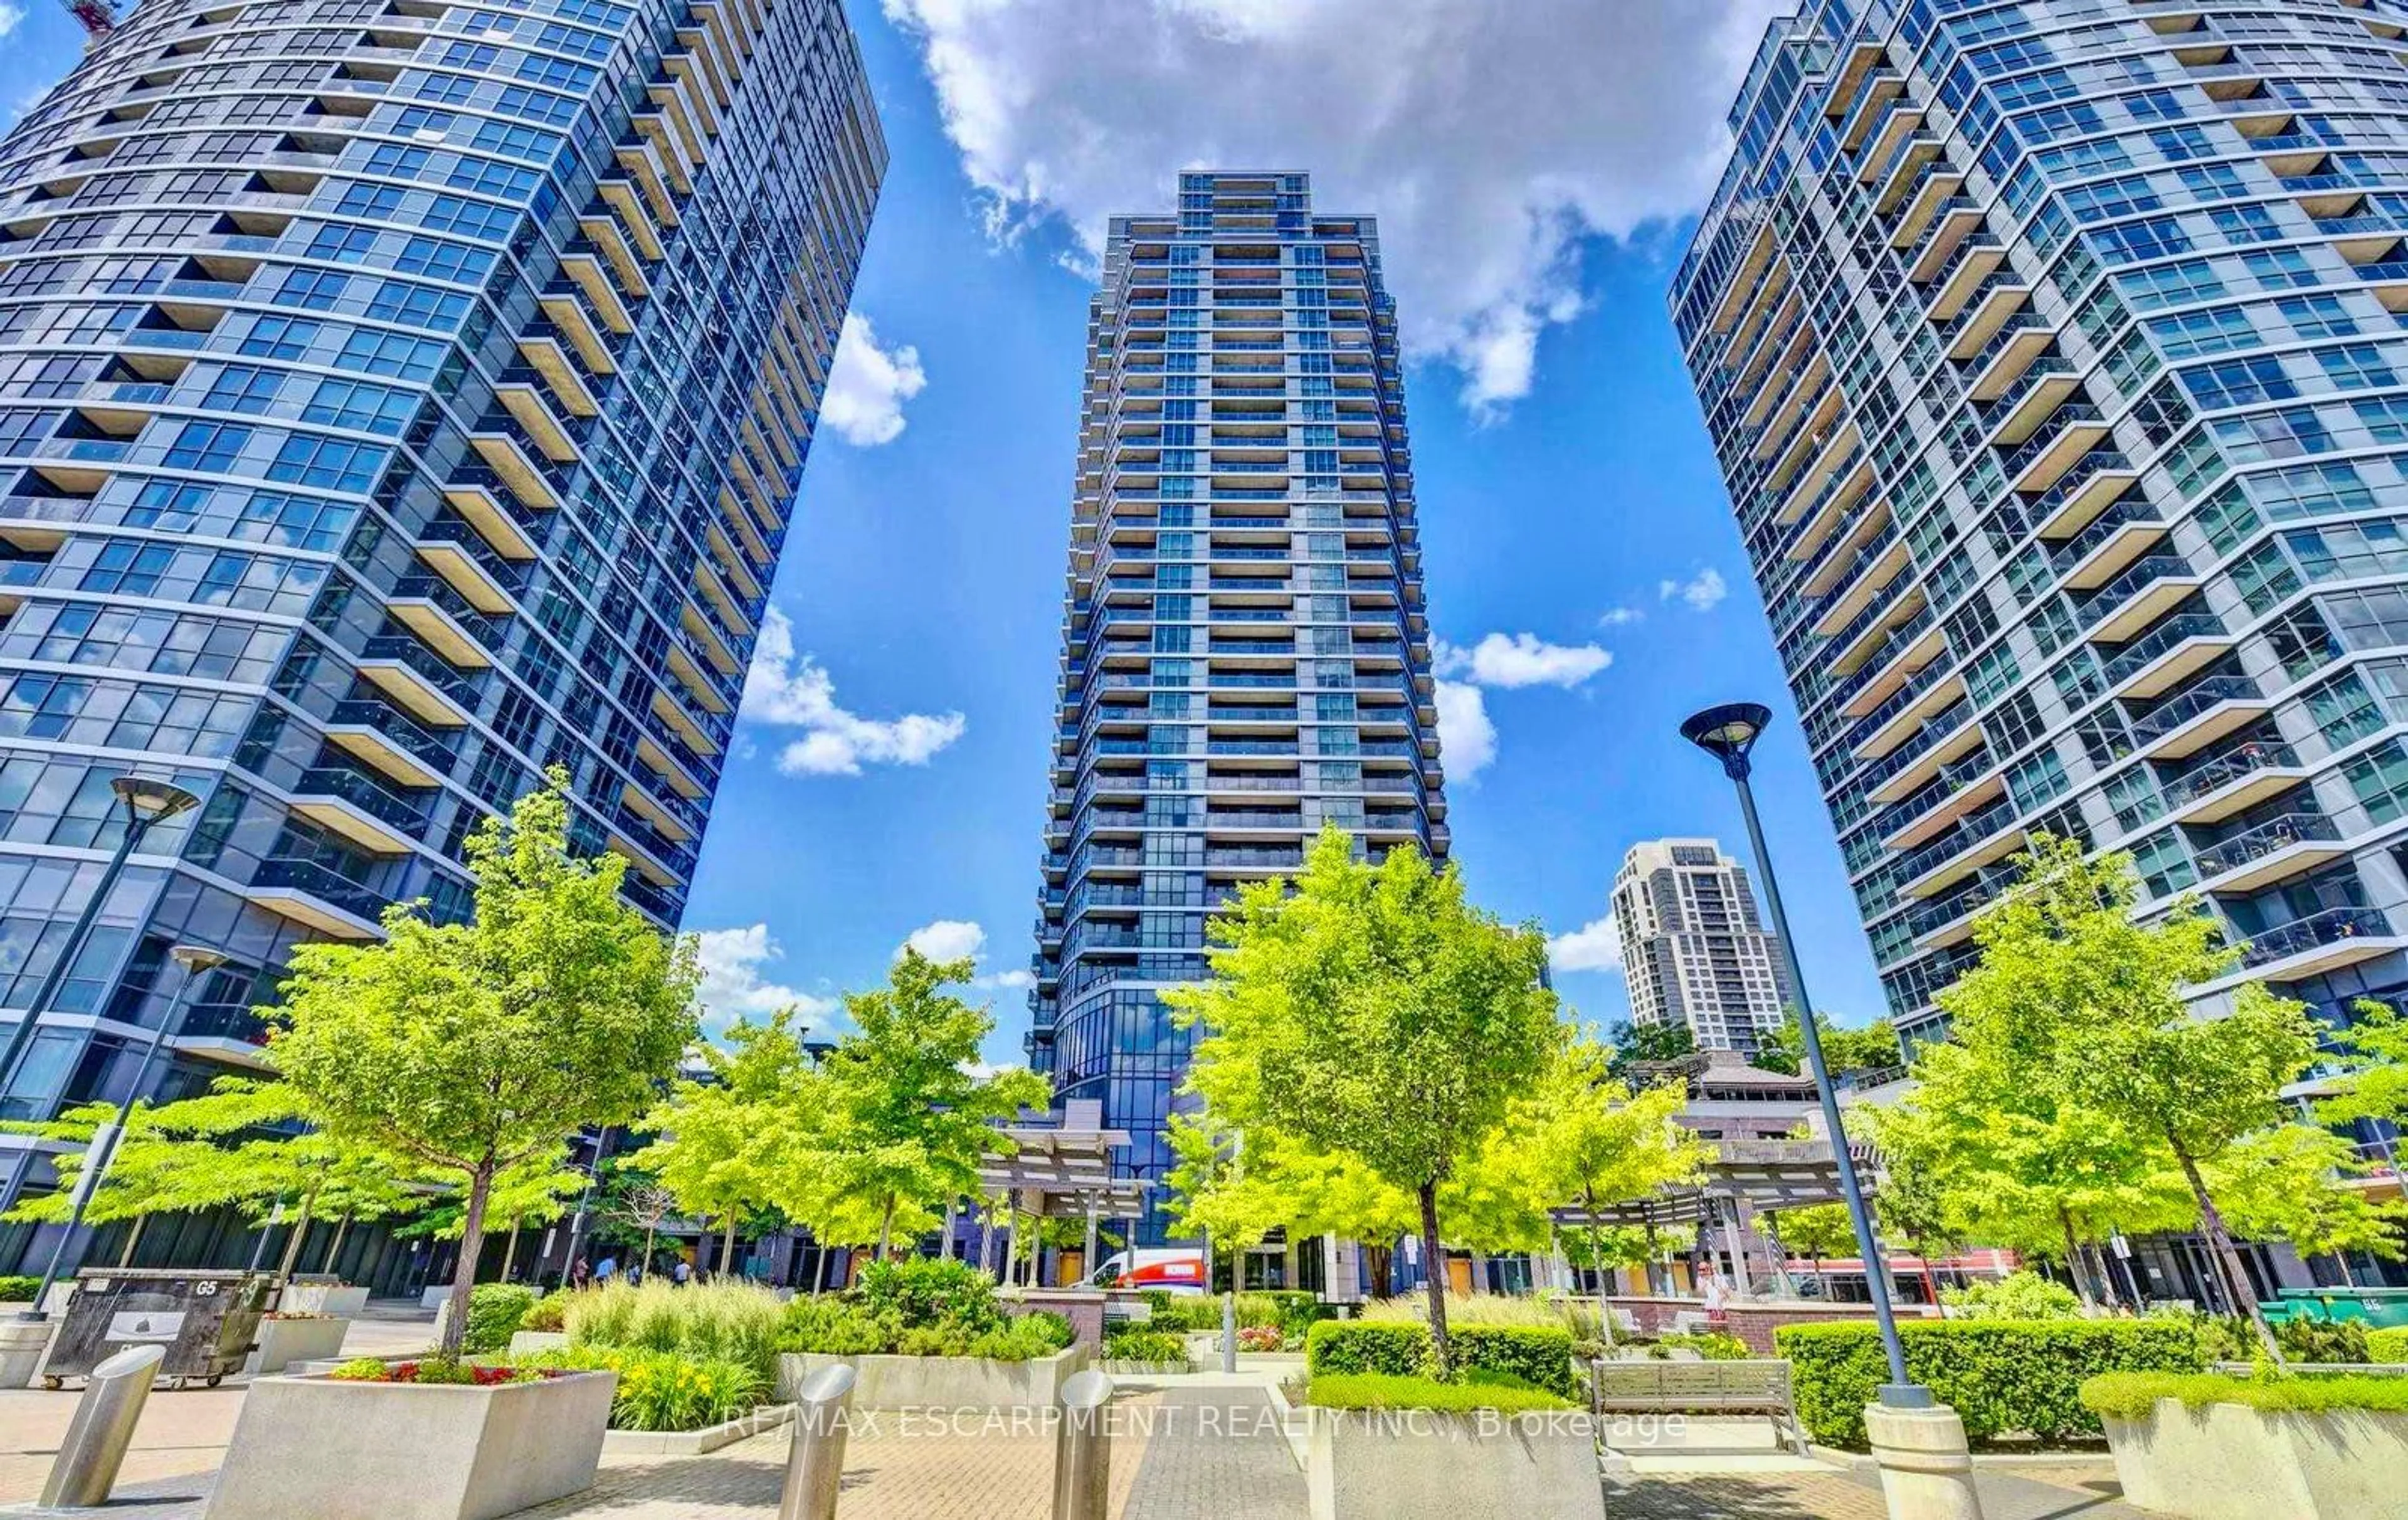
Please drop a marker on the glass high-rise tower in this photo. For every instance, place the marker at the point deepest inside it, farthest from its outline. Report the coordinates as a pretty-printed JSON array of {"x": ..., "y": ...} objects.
[
  {"x": 1246, "y": 657},
  {"x": 2054, "y": 356},
  {"x": 396, "y": 397},
  {"x": 1693, "y": 952}
]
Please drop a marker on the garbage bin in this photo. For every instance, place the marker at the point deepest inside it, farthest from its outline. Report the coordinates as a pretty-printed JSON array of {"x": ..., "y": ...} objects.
[{"x": 205, "y": 1321}]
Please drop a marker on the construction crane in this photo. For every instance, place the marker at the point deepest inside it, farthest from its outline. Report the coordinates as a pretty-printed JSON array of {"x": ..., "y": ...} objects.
[{"x": 98, "y": 17}]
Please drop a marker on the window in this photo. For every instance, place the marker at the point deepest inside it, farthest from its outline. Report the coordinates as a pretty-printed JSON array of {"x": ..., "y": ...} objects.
[
  {"x": 2239, "y": 382},
  {"x": 207, "y": 445},
  {"x": 2214, "y": 330},
  {"x": 2357, "y": 367}
]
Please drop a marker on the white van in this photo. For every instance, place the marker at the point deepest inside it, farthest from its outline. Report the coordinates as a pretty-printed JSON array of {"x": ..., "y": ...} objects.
[{"x": 1173, "y": 1268}]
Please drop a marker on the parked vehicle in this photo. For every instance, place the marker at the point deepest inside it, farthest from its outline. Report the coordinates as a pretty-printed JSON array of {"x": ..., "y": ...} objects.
[{"x": 1175, "y": 1269}]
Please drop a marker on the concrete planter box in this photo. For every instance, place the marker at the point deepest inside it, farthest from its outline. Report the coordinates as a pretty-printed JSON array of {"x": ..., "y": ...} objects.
[
  {"x": 396, "y": 1450},
  {"x": 939, "y": 1381},
  {"x": 2233, "y": 1462},
  {"x": 1145, "y": 1369},
  {"x": 1404, "y": 1464},
  {"x": 527, "y": 1343},
  {"x": 283, "y": 1341},
  {"x": 696, "y": 1443},
  {"x": 322, "y": 1295},
  {"x": 23, "y": 1346}
]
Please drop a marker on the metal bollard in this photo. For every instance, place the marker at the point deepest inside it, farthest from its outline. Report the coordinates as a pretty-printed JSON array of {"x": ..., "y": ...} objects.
[
  {"x": 815, "y": 1460},
  {"x": 86, "y": 1467},
  {"x": 1083, "y": 1449}
]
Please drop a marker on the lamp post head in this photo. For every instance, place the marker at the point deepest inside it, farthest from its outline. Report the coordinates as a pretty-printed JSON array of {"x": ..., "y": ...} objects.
[
  {"x": 196, "y": 959},
  {"x": 151, "y": 801},
  {"x": 1728, "y": 732}
]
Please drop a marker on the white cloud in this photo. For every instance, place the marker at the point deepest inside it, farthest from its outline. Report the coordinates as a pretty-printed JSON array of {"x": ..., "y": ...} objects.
[
  {"x": 790, "y": 690},
  {"x": 1594, "y": 946},
  {"x": 1466, "y": 740},
  {"x": 1703, "y": 591},
  {"x": 1522, "y": 660},
  {"x": 732, "y": 985},
  {"x": 10, "y": 17},
  {"x": 946, "y": 940},
  {"x": 1010, "y": 981},
  {"x": 867, "y": 385},
  {"x": 1489, "y": 136},
  {"x": 1617, "y": 617}
]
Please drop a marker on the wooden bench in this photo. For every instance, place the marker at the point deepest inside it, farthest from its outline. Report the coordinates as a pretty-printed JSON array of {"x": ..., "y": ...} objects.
[{"x": 1742, "y": 1387}]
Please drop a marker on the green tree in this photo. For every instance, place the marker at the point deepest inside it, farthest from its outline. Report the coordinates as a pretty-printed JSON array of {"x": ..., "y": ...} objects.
[
  {"x": 2092, "y": 1004},
  {"x": 2376, "y": 1085},
  {"x": 1381, "y": 1017},
  {"x": 1914, "y": 1207},
  {"x": 900, "y": 1118},
  {"x": 1818, "y": 1230},
  {"x": 726, "y": 1141},
  {"x": 472, "y": 1048},
  {"x": 535, "y": 1191},
  {"x": 1639, "y": 1045},
  {"x": 1844, "y": 1049}
]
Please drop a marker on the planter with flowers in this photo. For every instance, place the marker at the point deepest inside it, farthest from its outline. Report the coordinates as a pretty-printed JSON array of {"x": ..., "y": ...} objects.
[{"x": 413, "y": 1440}]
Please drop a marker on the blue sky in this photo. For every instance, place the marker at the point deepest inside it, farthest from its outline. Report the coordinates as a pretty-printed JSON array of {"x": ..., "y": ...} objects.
[{"x": 894, "y": 768}]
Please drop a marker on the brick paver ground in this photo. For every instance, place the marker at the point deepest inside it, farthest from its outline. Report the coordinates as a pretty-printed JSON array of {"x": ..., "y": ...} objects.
[
  {"x": 1215, "y": 1452},
  {"x": 2081, "y": 1493}
]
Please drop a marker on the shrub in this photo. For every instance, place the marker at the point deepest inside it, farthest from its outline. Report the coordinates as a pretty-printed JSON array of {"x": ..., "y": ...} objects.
[
  {"x": 495, "y": 1310},
  {"x": 2305, "y": 1339},
  {"x": 1471, "y": 1308},
  {"x": 1159, "y": 1348},
  {"x": 1383, "y": 1347},
  {"x": 1540, "y": 1355},
  {"x": 834, "y": 1327},
  {"x": 924, "y": 1291},
  {"x": 664, "y": 1390},
  {"x": 2001, "y": 1376},
  {"x": 1189, "y": 1312},
  {"x": 17, "y": 1290},
  {"x": 2132, "y": 1396},
  {"x": 847, "y": 1326},
  {"x": 433, "y": 1370},
  {"x": 2387, "y": 1346},
  {"x": 548, "y": 1312},
  {"x": 1157, "y": 1300},
  {"x": 2019, "y": 1296},
  {"x": 1710, "y": 1345},
  {"x": 737, "y": 1322},
  {"x": 1259, "y": 1338},
  {"x": 1475, "y": 1390}
]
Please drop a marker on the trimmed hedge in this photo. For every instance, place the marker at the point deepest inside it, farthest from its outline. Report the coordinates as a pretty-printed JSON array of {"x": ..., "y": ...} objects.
[
  {"x": 2132, "y": 1396},
  {"x": 2387, "y": 1346},
  {"x": 1477, "y": 1390},
  {"x": 1534, "y": 1354},
  {"x": 2003, "y": 1377},
  {"x": 496, "y": 1311},
  {"x": 18, "y": 1289}
]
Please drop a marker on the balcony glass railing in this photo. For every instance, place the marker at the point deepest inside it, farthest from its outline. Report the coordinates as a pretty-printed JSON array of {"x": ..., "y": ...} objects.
[
  {"x": 2140, "y": 653},
  {"x": 405, "y": 649},
  {"x": 2106, "y": 526},
  {"x": 2327, "y": 927},
  {"x": 2263, "y": 839},
  {"x": 368, "y": 796},
  {"x": 2096, "y": 605},
  {"x": 2220, "y": 770},
  {"x": 322, "y": 882},
  {"x": 2179, "y": 710}
]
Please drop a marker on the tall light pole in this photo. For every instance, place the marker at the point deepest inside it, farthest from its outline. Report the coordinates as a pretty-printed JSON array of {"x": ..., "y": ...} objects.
[
  {"x": 148, "y": 801},
  {"x": 1728, "y": 732},
  {"x": 197, "y": 962}
]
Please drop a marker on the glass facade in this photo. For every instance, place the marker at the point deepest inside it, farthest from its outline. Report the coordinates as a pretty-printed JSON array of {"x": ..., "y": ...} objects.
[
  {"x": 1245, "y": 654},
  {"x": 396, "y": 397},
  {"x": 1693, "y": 952},
  {"x": 2053, "y": 354}
]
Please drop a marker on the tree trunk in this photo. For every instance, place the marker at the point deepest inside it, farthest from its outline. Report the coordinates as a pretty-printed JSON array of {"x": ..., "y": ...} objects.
[
  {"x": 2074, "y": 1267},
  {"x": 1822, "y": 1282},
  {"x": 649, "y": 1230},
  {"x": 885, "y": 1227},
  {"x": 511, "y": 1252},
  {"x": 727, "y": 1248},
  {"x": 133, "y": 1236},
  {"x": 2104, "y": 1276},
  {"x": 464, "y": 1274},
  {"x": 2219, "y": 1245},
  {"x": 1381, "y": 1259},
  {"x": 300, "y": 1233},
  {"x": 1436, "y": 1258},
  {"x": 335, "y": 1246},
  {"x": 1597, "y": 1265}
]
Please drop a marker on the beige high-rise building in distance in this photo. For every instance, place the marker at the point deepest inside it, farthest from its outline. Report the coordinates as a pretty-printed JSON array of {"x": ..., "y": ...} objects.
[{"x": 1694, "y": 950}]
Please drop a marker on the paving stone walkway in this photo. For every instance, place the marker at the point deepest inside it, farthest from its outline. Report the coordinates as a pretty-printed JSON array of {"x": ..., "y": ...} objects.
[{"x": 2079, "y": 1493}]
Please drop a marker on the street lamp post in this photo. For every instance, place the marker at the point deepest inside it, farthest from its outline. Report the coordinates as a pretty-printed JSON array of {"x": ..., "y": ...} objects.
[
  {"x": 197, "y": 962},
  {"x": 147, "y": 802},
  {"x": 1728, "y": 732}
]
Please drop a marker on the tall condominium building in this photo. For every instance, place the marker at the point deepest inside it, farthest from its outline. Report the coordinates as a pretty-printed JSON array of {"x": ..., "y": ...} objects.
[
  {"x": 2053, "y": 355},
  {"x": 1693, "y": 949},
  {"x": 1245, "y": 657},
  {"x": 396, "y": 397}
]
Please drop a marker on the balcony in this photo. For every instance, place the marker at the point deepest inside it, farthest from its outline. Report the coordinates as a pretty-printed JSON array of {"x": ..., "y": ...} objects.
[
  {"x": 2269, "y": 852},
  {"x": 2104, "y": 549},
  {"x": 412, "y": 675},
  {"x": 1956, "y": 792},
  {"x": 2023, "y": 408},
  {"x": 2084, "y": 490},
  {"x": 489, "y": 515},
  {"x": 1994, "y": 302},
  {"x": 1946, "y": 739},
  {"x": 313, "y": 895},
  {"x": 1975, "y": 841},
  {"x": 1975, "y": 260},
  {"x": 2189, "y": 723},
  {"x": 2048, "y": 456},
  {"x": 394, "y": 743},
  {"x": 430, "y": 609},
  {"x": 2315, "y": 946},
  {"x": 2224, "y": 786},
  {"x": 360, "y": 809},
  {"x": 1895, "y": 720},
  {"x": 2003, "y": 360},
  {"x": 480, "y": 578},
  {"x": 2143, "y": 593},
  {"x": 2166, "y": 655}
]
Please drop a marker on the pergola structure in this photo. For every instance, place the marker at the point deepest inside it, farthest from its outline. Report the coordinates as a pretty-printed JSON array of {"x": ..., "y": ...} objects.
[
  {"x": 1743, "y": 1176},
  {"x": 1063, "y": 1171}
]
